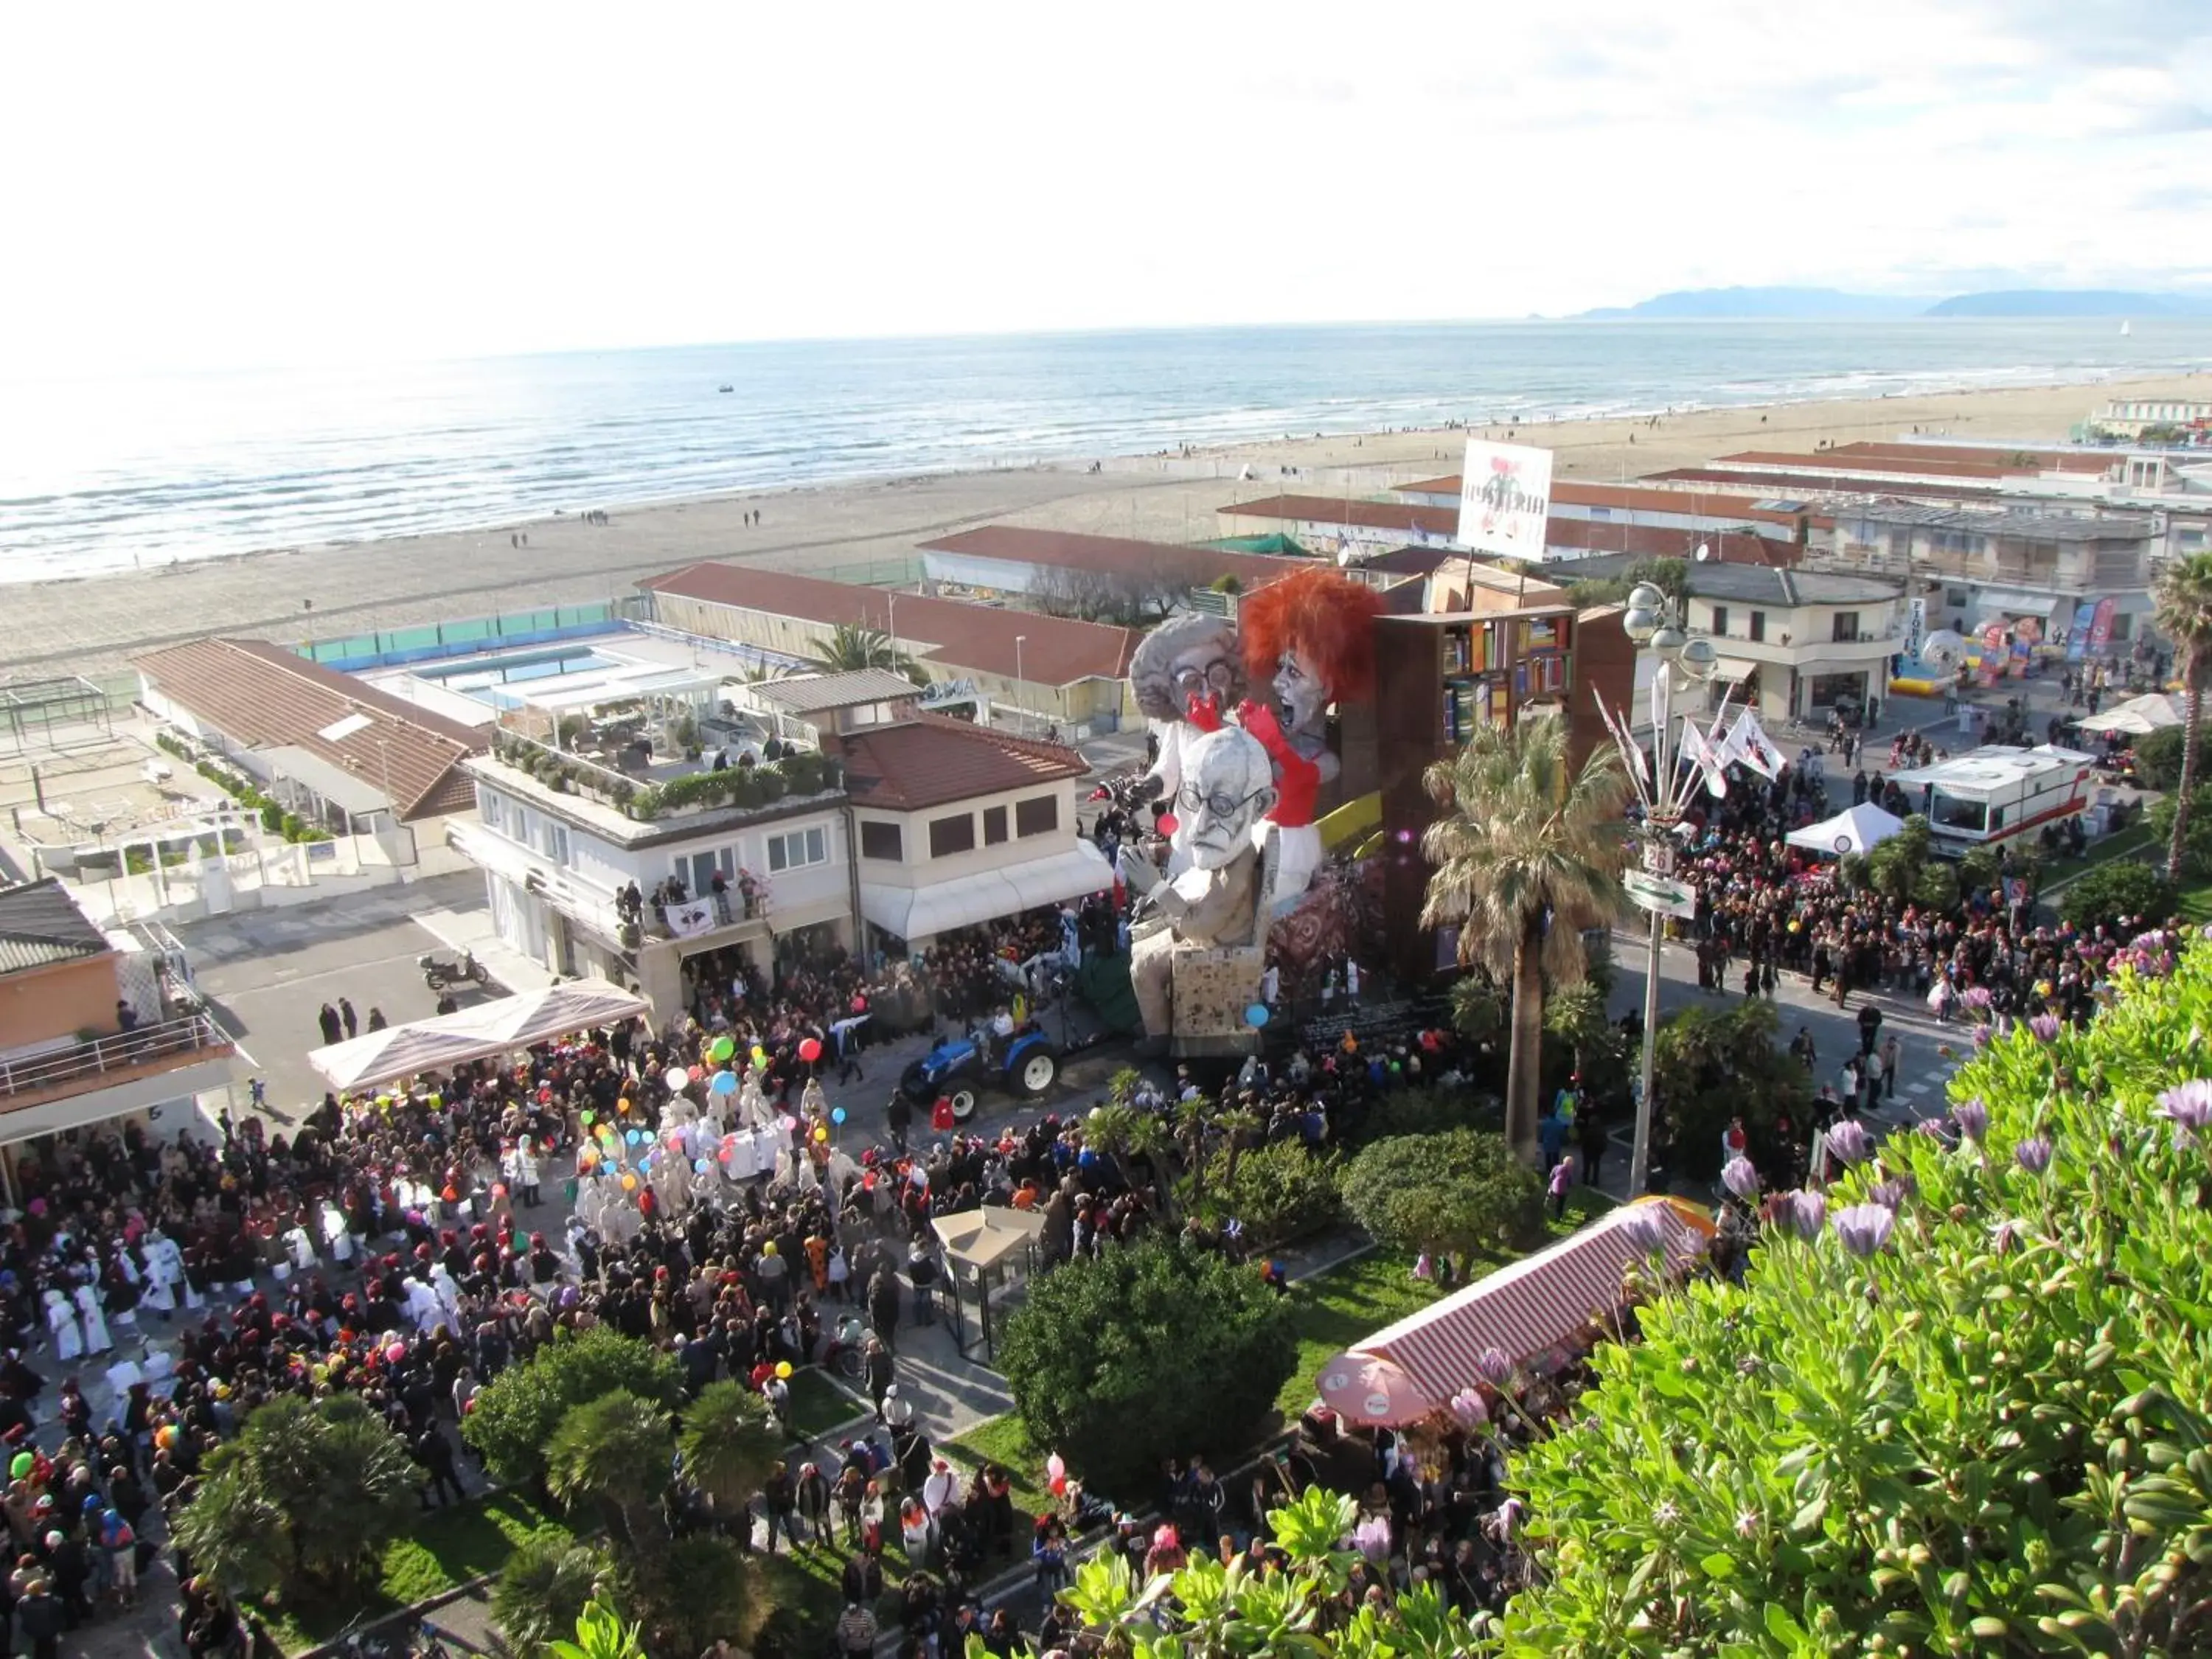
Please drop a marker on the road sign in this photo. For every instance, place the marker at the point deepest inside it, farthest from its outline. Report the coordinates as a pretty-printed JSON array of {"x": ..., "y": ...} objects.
[{"x": 1665, "y": 895}]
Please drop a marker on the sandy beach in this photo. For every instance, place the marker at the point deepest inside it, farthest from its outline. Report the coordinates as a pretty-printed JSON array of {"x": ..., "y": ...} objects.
[{"x": 853, "y": 530}]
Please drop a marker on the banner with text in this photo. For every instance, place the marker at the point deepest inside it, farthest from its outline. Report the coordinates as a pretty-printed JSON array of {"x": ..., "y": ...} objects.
[
  {"x": 686, "y": 920},
  {"x": 1506, "y": 499}
]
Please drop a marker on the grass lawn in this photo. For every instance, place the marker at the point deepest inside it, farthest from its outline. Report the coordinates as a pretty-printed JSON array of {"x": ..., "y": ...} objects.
[
  {"x": 447, "y": 1549},
  {"x": 818, "y": 1404},
  {"x": 2196, "y": 902},
  {"x": 2131, "y": 841},
  {"x": 1004, "y": 1441}
]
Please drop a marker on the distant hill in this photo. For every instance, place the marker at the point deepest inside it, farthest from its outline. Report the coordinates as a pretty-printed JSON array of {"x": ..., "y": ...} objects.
[
  {"x": 1765, "y": 302},
  {"x": 2072, "y": 303},
  {"x": 1807, "y": 302}
]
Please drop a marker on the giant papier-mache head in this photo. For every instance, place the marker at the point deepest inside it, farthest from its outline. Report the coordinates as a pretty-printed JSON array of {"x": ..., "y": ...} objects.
[
  {"x": 1228, "y": 785},
  {"x": 1190, "y": 657},
  {"x": 1311, "y": 636}
]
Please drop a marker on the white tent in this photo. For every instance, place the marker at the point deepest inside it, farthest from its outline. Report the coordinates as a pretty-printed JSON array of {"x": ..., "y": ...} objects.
[
  {"x": 1854, "y": 831},
  {"x": 2137, "y": 717},
  {"x": 493, "y": 1028}
]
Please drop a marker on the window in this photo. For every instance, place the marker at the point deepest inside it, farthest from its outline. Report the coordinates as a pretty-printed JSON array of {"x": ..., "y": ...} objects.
[
  {"x": 796, "y": 850},
  {"x": 1847, "y": 627},
  {"x": 1759, "y": 624},
  {"x": 879, "y": 840},
  {"x": 696, "y": 870},
  {"x": 1720, "y": 620},
  {"x": 1037, "y": 816},
  {"x": 953, "y": 834},
  {"x": 994, "y": 825},
  {"x": 487, "y": 807},
  {"x": 557, "y": 841}
]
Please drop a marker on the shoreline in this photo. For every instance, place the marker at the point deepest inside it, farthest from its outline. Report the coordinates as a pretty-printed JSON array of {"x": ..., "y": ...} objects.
[
  {"x": 1536, "y": 424},
  {"x": 337, "y": 589}
]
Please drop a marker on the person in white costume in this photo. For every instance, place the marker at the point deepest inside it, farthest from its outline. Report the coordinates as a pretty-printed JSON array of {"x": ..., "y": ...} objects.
[
  {"x": 165, "y": 1271},
  {"x": 61, "y": 1325},
  {"x": 96, "y": 1340},
  {"x": 1186, "y": 676}
]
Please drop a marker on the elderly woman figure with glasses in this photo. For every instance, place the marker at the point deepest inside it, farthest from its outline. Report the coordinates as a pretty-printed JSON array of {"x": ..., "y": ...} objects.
[
  {"x": 1312, "y": 636},
  {"x": 1227, "y": 786},
  {"x": 1187, "y": 675}
]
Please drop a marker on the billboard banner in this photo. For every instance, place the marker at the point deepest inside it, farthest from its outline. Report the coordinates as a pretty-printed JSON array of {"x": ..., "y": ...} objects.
[
  {"x": 2100, "y": 626},
  {"x": 1916, "y": 627},
  {"x": 2077, "y": 637},
  {"x": 687, "y": 921},
  {"x": 1506, "y": 499}
]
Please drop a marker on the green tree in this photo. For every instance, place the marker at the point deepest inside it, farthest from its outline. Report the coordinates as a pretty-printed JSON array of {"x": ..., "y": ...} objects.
[
  {"x": 2124, "y": 887},
  {"x": 1710, "y": 1065},
  {"x": 1528, "y": 854},
  {"x": 1150, "y": 1349},
  {"x": 543, "y": 1589},
  {"x": 1277, "y": 1192},
  {"x": 728, "y": 1444},
  {"x": 2158, "y": 756},
  {"x": 516, "y": 1412},
  {"x": 307, "y": 1497},
  {"x": 2182, "y": 596},
  {"x": 1460, "y": 1194},
  {"x": 615, "y": 1451},
  {"x": 850, "y": 648},
  {"x": 1969, "y": 1415},
  {"x": 1576, "y": 1017},
  {"x": 2194, "y": 838},
  {"x": 688, "y": 1592}
]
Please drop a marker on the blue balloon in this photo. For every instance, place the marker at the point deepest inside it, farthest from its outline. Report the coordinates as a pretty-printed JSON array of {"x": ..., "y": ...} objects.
[
  {"x": 703, "y": 1166},
  {"x": 633, "y": 1137},
  {"x": 1256, "y": 1015},
  {"x": 724, "y": 1082},
  {"x": 836, "y": 1114}
]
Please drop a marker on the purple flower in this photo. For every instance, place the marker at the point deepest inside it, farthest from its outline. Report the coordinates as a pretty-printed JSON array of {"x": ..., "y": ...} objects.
[
  {"x": 1972, "y": 1117},
  {"x": 1645, "y": 1230},
  {"x": 1849, "y": 1141},
  {"x": 1981, "y": 1036},
  {"x": 1864, "y": 1228},
  {"x": 2007, "y": 1234},
  {"x": 2188, "y": 1107},
  {"x": 2045, "y": 1027},
  {"x": 1890, "y": 1195},
  {"x": 2034, "y": 1154},
  {"x": 1372, "y": 1538},
  {"x": 1494, "y": 1367},
  {"x": 1808, "y": 1213},
  {"x": 1467, "y": 1406},
  {"x": 1978, "y": 996},
  {"x": 1741, "y": 1178}
]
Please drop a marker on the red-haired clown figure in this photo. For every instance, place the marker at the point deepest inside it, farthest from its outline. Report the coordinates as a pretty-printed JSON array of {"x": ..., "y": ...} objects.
[{"x": 1311, "y": 638}]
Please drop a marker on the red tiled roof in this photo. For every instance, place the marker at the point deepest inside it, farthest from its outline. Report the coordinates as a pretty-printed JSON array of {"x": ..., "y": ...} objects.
[
  {"x": 931, "y": 760},
  {"x": 261, "y": 696},
  {"x": 1843, "y": 460},
  {"x": 1181, "y": 566},
  {"x": 2006, "y": 457},
  {"x": 1651, "y": 541},
  {"x": 1837, "y": 481},
  {"x": 948, "y": 633},
  {"x": 1335, "y": 509},
  {"x": 1573, "y": 492}
]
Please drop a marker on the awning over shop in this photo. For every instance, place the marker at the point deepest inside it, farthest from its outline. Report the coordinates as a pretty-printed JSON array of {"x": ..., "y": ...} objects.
[
  {"x": 913, "y": 913},
  {"x": 1734, "y": 670},
  {"x": 348, "y": 791},
  {"x": 1527, "y": 1310},
  {"x": 2016, "y": 602},
  {"x": 493, "y": 1028}
]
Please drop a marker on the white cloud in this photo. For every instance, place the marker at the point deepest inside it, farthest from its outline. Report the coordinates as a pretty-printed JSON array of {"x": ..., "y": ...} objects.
[{"x": 251, "y": 184}]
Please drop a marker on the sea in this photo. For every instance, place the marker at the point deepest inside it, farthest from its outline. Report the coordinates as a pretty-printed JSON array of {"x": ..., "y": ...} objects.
[{"x": 119, "y": 473}]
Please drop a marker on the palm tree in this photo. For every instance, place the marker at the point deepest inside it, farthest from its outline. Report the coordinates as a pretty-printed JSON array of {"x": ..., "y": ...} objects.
[
  {"x": 850, "y": 647},
  {"x": 730, "y": 1447},
  {"x": 614, "y": 1450},
  {"x": 1527, "y": 854},
  {"x": 546, "y": 1584},
  {"x": 1241, "y": 1127},
  {"x": 2182, "y": 596}
]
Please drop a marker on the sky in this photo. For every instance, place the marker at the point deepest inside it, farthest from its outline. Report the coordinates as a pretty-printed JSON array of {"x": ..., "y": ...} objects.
[{"x": 200, "y": 186}]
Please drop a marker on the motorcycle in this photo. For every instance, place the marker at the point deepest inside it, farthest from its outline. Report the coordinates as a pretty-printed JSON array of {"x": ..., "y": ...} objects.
[{"x": 437, "y": 975}]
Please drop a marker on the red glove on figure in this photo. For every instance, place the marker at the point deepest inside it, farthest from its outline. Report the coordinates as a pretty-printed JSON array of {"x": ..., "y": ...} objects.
[{"x": 1298, "y": 779}]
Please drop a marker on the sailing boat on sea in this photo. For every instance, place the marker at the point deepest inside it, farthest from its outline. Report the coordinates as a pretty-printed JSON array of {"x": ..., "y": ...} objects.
[{"x": 2126, "y": 328}]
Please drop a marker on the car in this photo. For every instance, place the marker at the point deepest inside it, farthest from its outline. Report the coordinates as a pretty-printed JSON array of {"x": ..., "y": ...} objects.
[{"x": 956, "y": 1068}]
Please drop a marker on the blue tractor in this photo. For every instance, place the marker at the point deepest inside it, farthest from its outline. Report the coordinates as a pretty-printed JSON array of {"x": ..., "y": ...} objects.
[{"x": 960, "y": 1069}]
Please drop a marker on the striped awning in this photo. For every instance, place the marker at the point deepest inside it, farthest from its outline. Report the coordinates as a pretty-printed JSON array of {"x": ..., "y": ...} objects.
[{"x": 1526, "y": 1309}]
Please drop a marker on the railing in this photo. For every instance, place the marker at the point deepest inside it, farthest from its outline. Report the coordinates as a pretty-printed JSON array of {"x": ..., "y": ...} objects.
[{"x": 124, "y": 1051}]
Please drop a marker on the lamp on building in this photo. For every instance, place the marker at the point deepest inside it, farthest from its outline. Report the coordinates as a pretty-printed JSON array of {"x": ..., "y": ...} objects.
[{"x": 1651, "y": 624}]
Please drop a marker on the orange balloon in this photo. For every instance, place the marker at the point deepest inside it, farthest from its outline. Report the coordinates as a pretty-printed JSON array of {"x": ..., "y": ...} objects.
[{"x": 630, "y": 1183}]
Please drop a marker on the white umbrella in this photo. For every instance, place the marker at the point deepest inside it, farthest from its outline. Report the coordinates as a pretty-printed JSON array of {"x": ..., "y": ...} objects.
[
  {"x": 2137, "y": 717},
  {"x": 1853, "y": 830}
]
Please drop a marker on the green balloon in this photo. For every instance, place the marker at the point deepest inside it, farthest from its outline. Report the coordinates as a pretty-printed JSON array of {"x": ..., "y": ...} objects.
[{"x": 22, "y": 1465}]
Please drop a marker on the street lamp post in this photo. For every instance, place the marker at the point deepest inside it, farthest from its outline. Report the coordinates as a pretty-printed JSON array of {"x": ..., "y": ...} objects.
[{"x": 1650, "y": 623}]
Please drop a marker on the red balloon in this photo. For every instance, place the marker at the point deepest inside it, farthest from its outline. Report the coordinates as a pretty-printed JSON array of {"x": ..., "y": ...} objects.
[
  {"x": 811, "y": 1050},
  {"x": 1060, "y": 1486},
  {"x": 1167, "y": 823}
]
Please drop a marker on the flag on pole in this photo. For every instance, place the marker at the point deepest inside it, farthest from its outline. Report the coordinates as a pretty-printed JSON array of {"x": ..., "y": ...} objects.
[
  {"x": 1627, "y": 744},
  {"x": 1701, "y": 754},
  {"x": 1748, "y": 743}
]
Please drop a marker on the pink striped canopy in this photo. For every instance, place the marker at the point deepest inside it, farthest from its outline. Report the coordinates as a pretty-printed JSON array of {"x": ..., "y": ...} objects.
[{"x": 1406, "y": 1371}]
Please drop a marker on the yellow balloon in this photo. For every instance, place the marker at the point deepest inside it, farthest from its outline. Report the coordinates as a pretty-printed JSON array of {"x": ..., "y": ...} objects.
[{"x": 783, "y": 1369}]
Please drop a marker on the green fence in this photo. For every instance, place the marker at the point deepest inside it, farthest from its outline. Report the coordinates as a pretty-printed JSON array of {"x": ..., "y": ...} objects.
[{"x": 454, "y": 639}]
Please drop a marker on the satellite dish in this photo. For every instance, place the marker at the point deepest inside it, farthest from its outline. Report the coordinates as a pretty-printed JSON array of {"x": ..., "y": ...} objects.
[{"x": 1705, "y": 552}]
